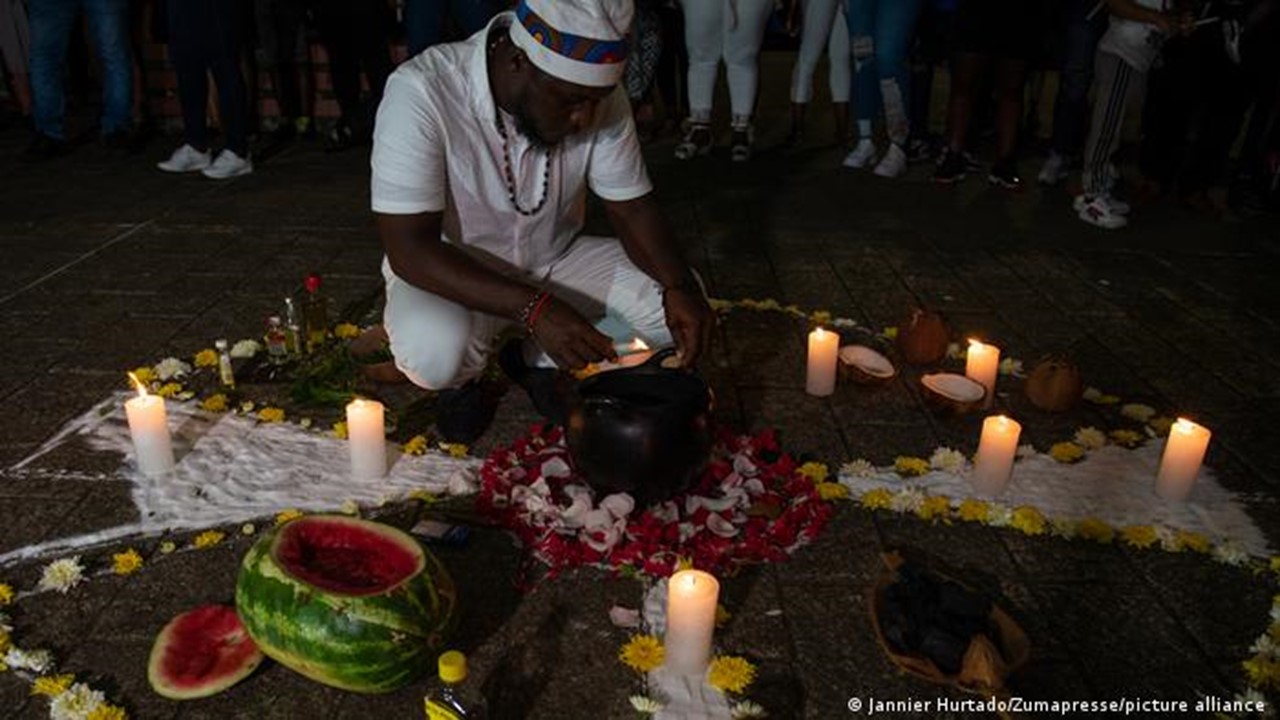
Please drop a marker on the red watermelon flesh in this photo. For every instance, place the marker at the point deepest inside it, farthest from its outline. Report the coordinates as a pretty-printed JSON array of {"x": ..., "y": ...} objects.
[
  {"x": 344, "y": 558},
  {"x": 202, "y": 652}
]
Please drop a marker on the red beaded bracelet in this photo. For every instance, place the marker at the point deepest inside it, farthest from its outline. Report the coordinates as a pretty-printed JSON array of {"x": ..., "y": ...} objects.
[{"x": 534, "y": 310}]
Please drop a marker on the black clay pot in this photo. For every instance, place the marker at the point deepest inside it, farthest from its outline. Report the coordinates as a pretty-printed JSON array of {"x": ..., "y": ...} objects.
[{"x": 643, "y": 430}]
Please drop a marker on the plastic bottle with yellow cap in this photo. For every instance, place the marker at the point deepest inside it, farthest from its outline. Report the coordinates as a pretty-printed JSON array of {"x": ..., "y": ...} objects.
[{"x": 445, "y": 702}]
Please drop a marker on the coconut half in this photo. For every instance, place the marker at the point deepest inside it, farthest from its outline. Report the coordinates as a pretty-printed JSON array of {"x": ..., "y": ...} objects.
[
  {"x": 953, "y": 392},
  {"x": 864, "y": 365}
]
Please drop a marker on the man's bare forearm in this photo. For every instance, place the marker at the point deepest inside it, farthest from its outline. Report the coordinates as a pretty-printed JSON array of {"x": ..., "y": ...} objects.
[{"x": 648, "y": 240}]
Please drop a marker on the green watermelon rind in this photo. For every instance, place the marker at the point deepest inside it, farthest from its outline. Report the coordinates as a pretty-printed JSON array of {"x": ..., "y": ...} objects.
[
  {"x": 363, "y": 643},
  {"x": 162, "y": 686}
]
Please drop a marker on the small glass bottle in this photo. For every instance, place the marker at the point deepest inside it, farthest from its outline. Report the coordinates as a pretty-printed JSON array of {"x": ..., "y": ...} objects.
[
  {"x": 277, "y": 348},
  {"x": 315, "y": 313},
  {"x": 225, "y": 373},
  {"x": 445, "y": 702},
  {"x": 292, "y": 328}
]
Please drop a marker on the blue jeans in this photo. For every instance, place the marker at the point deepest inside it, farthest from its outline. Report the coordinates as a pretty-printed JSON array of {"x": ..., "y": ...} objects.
[
  {"x": 51, "y": 23},
  {"x": 1071, "y": 106},
  {"x": 880, "y": 34},
  {"x": 424, "y": 20}
]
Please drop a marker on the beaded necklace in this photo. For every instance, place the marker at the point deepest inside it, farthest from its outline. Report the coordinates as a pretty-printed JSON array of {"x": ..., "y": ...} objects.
[{"x": 509, "y": 177}]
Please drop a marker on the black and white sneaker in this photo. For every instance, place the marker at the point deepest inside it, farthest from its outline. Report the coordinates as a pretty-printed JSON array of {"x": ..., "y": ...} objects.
[
  {"x": 1005, "y": 174},
  {"x": 952, "y": 168}
]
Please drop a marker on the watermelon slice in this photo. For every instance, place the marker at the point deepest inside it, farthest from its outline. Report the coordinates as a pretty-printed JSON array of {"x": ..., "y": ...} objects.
[{"x": 202, "y": 652}]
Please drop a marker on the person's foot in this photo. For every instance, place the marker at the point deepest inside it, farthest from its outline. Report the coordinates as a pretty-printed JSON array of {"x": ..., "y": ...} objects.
[
  {"x": 894, "y": 162},
  {"x": 186, "y": 159},
  {"x": 919, "y": 150},
  {"x": 1117, "y": 205},
  {"x": 546, "y": 387},
  {"x": 43, "y": 147},
  {"x": 740, "y": 144},
  {"x": 1054, "y": 171},
  {"x": 228, "y": 165},
  {"x": 1005, "y": 174},
  {"x": 463, "y": 414},
  {"x": 952, "y": 168},
  {"x": 862, "y": 155},
  {"x": 1097, "y": 211},
  {"x": 696, "y": 142}
]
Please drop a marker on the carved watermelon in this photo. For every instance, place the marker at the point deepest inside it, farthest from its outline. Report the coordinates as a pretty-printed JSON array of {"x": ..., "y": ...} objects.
[
  {"x": 200, "y": 653},
  {"x": 349, "y": 603}
]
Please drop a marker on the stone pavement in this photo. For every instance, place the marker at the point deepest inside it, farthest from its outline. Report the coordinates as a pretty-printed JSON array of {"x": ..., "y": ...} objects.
[{"x": 109, "y": 264}]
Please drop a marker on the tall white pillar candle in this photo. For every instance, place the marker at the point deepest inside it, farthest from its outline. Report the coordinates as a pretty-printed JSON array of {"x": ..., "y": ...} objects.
[
  {"x": 1183, "y": 454},
  {"x": 149, "y": 428},
  {"x": 993, "y": 465},
  {"x": 367, "y": 439},
  {"x": 691, "y": 621},
  {"x": 824, "y": 349},
  {"x": 982, "y": 365}
]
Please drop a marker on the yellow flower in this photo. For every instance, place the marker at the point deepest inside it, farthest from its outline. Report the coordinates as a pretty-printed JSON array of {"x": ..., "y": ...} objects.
[
  {"x": 729, "y": 673},
  {"x": 416, "y": 445},
  {"x": 642, "y": 653},
  {"x": 5, "y": 642},
  {"x": 340, "y": 430},
  {"x": 1138, "y": 411},
  {"x": 455, "y": 450},
  {"x": 206, "y": 358},
  {"x": 214, "y": 403},
  {"x": 974, "y": 511},
  {"x": 425, "y": 496},
  {"x": 1095, "y": 530},
  {"x": 910, "y": 466},
  {"x": 167, "y": 547},
  {"x": 1195, "y": 542},
  {"x": 832, "y": 491},
  {"x": 1126, "y": 438},
  {"x": 127, "y": 562},
  {"x": 815, "y": 471},
  {"x": 935, "y": 507},
  {"x": 1161, "y": 425},
  {"x": 285, "y": 516},
  {"x": 890, "y": 332},
  {"x": 6, "y": 595},
  {"x": 107, "y": 711},
  {"x": 720, "y": 305},
  {"x": 1090, "y": 438},
  {"x": 271, "y": 415},
  {"x": 1263, "y": 672},
  {"x": 1066, "y": 452},
  {"x": 723, "y": 616},
  {"x": 1275, "y": 568},
  {"x": 345, "y": 331},
  {"x": 820, "y": 317},
  {"x": 168, "y": 390},
  {"x": 1139, "y": 536},
  {"x": 1029, "y": 520},
  {"x": 877, "y": 499},
  {"x": 208, "y": 539},
  {"x": 1096, "y": 396},
  {"x": 145, "y": 375},
  {"x": 52, "y": 685}
]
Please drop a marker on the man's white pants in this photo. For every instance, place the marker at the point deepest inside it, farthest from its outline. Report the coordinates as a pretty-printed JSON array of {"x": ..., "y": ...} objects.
[{"x": 438, "y": 343}]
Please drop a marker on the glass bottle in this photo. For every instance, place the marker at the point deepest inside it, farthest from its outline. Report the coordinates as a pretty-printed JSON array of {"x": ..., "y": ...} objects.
[
  {"x": 445, "y": 701},
  {"x": 292, "y": 328},
  {"x": 315, "y": 313},
  {"x": 277, "y": 347},
  {"x": 225, "y": 372}
]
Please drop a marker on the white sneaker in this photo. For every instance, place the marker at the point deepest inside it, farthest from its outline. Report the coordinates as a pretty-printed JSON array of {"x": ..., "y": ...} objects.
[
  {"x": 1118, "y": 207},
  {"x": 185, "y": 159},
  {"x": 228, "y": 165},
  {"x": 1054, "y": 170},
  {"x": 863, "y": 154},
  {"x": 893, "y": 164},
  {"x": 1097, "y": 211}
]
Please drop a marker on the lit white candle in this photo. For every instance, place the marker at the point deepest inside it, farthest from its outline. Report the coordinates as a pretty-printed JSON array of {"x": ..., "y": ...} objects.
[
  {"x": 997, "y": 449},
  {"x": 824, "y": 350},
  {"x": 366, "y": 439},
  {"x": 1183, "y": 454},
  {"x": 982, "y": 365},
  {"x": 691, "y": 620},
  {"x": 149, "y": 428},
  {"x": 633, "y": 353}
]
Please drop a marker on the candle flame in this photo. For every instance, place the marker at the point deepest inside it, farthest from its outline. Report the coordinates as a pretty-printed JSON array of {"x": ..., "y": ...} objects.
[
  {"x": 1184, "y": 426},
  {"x": 142, "y": 389},
  {"x": 820, "y": 333},
  {"x": 975, "y": 343},
  {"x": 639, "y": 345}
]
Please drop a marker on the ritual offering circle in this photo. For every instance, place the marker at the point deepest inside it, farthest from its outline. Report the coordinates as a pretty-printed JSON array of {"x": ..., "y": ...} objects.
[
  {"x": 349, "y": 603},
  {"x": 201, "y": 652}
]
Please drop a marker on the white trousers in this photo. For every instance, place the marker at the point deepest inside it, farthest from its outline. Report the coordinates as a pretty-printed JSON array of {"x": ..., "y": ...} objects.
[
  {"x": 824, "y": 28},
  {"x": 729, "y": 29},
  {"x": 438, "y": 343}
]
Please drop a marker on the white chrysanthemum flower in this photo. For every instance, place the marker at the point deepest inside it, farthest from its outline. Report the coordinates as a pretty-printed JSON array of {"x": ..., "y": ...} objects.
[
  {"x": 62, "y": 575},
  {"x": 1167, "y": 538},
  {"x": 76, "y": 703},
  {"x": 37, "y": 661},
  {"x": 955, "y": 351},
  {"x": 1266, "y": 646},
  {"x": 305, "y": 423},
  {"x": 1011, "y": 367},
  {"x": 907, "y": 501},
  {"x": 245, "y": 349},
  {"x": 1000, "y": 516},
  {"x": 947, "y": 460},
  {"x": 1138, "y": 411},
  {"x": 858, "y": 468},
  {"x": 747, "y": 710},
  {"x": 170, "y": 368},
  {"x": 1090, "y": 438},
  {"x": 350, "y": 507},
  {"x": 1253, "y": 697},
  {"x": 1026, "y": 451},
  {"x": 1230, "y": 553},
  {"x": 645, "y": 704}
]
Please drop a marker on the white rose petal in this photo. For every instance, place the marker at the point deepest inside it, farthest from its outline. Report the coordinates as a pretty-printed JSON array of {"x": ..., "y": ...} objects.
[
  {"x": 744, "y": 467},
  {"x": 666, "y": 512},
  {"x": 624, "y": 617},
  {"x": 575, "y": 515},
  {"x": 720, "y": 526},
  {"x": 619, "y": 505},
  {"x": 555, "y": 467}
]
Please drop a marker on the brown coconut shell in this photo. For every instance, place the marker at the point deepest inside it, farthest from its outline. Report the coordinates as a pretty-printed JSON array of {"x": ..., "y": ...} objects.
[
  {"x": 865, "y": 366},
  {"x": 923, "y": 337},
  {"x": 1054, "y": 384},
  {"x": 952, "y": 393}
]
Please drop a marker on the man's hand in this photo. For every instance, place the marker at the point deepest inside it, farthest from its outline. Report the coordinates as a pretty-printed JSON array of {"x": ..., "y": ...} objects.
[
  {"x": 569, "y": 339},
  {"x": 691, "y": 321}
]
